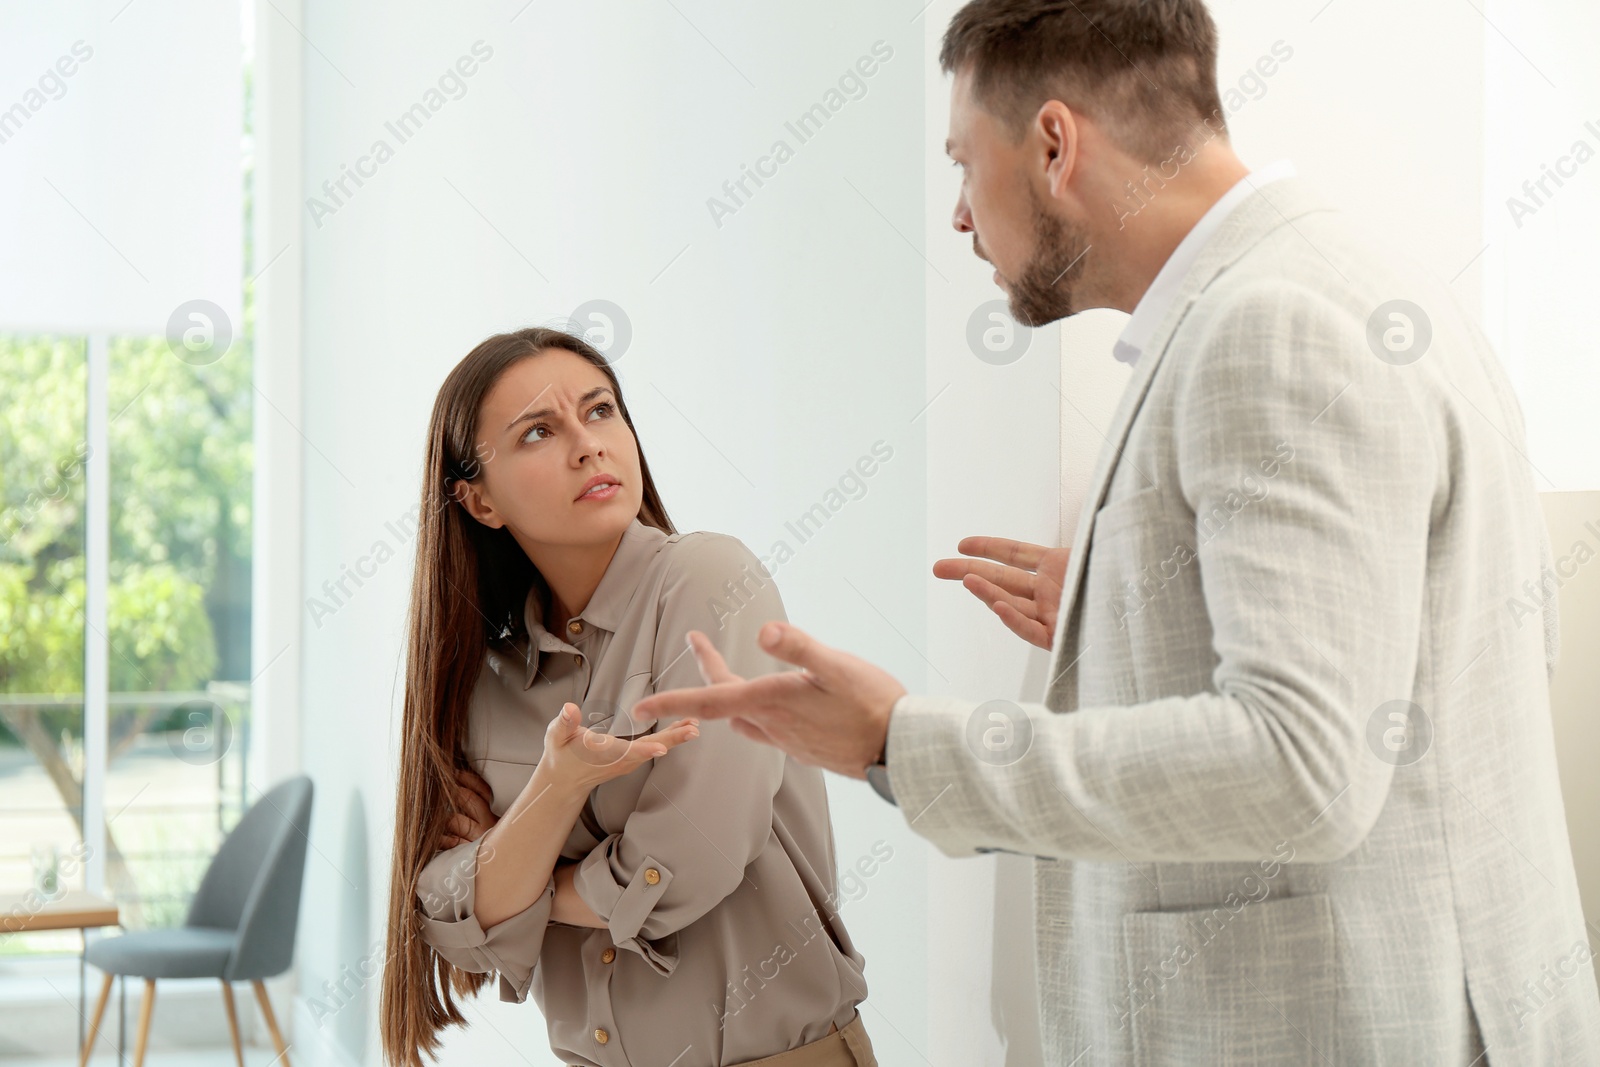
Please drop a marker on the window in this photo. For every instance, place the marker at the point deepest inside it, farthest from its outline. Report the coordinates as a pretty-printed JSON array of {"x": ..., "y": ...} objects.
[{"x": 176, "y": 583}]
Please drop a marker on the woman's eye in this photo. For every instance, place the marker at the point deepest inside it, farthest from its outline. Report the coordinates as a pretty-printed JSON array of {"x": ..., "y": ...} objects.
[{"x": 537, "y": 427}]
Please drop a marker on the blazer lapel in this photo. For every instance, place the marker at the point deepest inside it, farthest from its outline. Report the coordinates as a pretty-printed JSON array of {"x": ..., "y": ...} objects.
[{"x": 1249, "y": 223}]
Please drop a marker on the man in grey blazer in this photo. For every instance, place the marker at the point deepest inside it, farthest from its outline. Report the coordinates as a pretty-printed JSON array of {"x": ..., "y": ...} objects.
[{"x": 1292, "y": 786}]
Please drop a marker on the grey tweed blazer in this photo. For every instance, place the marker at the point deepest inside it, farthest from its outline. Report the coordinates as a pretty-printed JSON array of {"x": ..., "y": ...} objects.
[{"x": 1292, "y": 786}]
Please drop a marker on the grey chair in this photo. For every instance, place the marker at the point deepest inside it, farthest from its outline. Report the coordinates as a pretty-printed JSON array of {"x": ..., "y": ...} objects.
[{"x": 241, "y": 922}]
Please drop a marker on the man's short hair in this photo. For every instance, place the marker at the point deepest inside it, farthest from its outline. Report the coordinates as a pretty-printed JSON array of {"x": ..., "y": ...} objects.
[{"x": 1144, "y": 70}]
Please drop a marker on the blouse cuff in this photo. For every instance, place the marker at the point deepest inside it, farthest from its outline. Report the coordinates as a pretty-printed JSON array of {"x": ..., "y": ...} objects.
[
  {"x": 626, "y": 906},
  {"x": 510, "y": 948}
]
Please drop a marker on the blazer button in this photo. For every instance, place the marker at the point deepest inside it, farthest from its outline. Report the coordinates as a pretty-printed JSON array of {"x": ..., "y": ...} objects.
[
  {"x": 576, "y": 626},
  {"x": 652, "y": 875},
  {"x": 601, "y": 1036},
  {"x": 608, "y": 955}
]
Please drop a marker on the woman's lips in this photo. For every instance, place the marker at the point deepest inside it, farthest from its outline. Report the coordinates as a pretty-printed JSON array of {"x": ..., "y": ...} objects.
[{"x": 603, "y": 492}]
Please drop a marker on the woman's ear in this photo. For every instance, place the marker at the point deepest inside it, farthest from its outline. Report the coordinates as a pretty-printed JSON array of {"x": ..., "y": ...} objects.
[{"x": 472, "y": 498}]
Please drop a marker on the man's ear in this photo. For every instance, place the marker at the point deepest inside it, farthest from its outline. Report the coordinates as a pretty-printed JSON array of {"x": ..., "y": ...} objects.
[
  {"x": 1060, "y": 131},
  {"x": 473, "y": 498}
]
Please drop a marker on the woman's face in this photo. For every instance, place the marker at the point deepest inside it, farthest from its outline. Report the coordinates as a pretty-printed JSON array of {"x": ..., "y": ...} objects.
[{"x": 549, "y": 425}]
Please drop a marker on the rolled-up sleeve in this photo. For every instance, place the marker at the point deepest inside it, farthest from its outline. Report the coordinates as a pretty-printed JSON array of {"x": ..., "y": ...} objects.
[
  {"x": 446, "y": 888},
  {"x": 705, "y": 812}
]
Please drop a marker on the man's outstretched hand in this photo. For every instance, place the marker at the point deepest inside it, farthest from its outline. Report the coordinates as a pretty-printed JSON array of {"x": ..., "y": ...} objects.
[
  {"x": 833, "y": 714},
  {"x": 1023, "y": 586}
]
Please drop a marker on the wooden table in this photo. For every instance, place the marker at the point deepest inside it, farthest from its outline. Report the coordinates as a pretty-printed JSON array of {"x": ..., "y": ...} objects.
[{"x": 73, "y": 910}]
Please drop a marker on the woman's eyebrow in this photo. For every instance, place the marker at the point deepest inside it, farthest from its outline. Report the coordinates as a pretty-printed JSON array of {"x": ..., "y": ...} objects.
[{"x": 542, "y": 412}]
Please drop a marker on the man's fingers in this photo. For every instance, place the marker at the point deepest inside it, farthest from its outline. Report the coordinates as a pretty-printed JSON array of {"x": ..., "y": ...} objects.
[
  {"x": 991, "y": 583},
  {"x": 1024, "y": 626},
  {"x": 1024, "y": 554},
  {"x": 793, "y": 645},
  {"x": 995, "y": 596},
  {"x": 713, "y": 668},
  {"x": 724, "y": 701},
  {"x": 956, "y": 568},
  {"x": 746, "y": 728}
]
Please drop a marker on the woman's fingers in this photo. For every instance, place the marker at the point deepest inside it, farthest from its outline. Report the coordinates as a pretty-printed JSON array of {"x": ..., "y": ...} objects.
[
  {"x": 464, "y": 828},
  {"x": 564, "y": 726},
  {"x": 473, "y": 781},
  {"x": 662, "y": 741},
  {"x": 585, "y": 756},
  {"x": 472, "y": 803},
  {"x": 639, "y": 749},
  {"x": 676, "y": 734}
]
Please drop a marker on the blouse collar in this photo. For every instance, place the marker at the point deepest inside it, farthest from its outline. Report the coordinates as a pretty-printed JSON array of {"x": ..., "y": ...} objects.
[{"x": 639, "y": 545}]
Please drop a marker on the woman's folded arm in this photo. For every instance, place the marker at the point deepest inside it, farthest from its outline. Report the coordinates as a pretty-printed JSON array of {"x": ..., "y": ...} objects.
[{"x": 705, "y": 812}]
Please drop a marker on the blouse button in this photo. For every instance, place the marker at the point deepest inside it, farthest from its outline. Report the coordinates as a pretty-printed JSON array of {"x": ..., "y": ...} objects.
[
  {"x": 608, "y": 955},
  {"x": 652, "y": 875},
  {"x": 576, "y": 626},
  {"x": 601, "y": 1036},
  {"x": 578, "y": 659}
]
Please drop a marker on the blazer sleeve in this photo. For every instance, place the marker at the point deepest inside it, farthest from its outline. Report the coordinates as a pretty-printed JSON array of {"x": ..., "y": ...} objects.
[
  {"x": 705, "y": 811},
  {"x": 510, "y": 948},
  {"x": 1314, "y": 594}
]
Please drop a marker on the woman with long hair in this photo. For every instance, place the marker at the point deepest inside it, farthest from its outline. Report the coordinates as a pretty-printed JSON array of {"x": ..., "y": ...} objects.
[{"x": 667, "y": 893}]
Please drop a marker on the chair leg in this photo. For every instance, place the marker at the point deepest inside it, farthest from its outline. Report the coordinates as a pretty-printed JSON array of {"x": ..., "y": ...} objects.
[
  {"x": 94, "y": 1027},
  {"x": 145, "y": 1011},
  {"x": 272, "y": 1022},
  {"x": 233, "y": 1020}
]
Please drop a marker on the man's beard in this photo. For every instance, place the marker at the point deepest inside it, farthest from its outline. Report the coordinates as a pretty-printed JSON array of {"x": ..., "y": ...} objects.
[{"x": 1044, "y": 292}]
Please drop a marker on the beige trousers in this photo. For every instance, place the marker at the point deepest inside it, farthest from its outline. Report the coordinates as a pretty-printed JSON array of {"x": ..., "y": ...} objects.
[{"x": 849, "y": 1047}]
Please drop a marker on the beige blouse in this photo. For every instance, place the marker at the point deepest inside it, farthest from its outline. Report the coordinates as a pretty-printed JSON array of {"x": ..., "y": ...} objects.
[{"x": 713, "y": 865}]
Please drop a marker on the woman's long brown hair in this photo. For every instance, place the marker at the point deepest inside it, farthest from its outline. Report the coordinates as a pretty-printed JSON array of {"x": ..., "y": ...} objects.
[{"x": 467, "y": 593}]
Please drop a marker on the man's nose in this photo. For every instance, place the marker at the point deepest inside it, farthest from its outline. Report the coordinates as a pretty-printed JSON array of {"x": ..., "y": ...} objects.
[{"x": 962, "y": 219}]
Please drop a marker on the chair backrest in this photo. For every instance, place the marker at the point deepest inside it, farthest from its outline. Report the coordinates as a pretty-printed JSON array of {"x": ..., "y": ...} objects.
[{"x": 253, "y": 884}]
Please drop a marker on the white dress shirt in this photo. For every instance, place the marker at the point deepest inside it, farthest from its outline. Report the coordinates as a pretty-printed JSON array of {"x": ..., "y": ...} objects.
[{"x": 1148, "y": 311}]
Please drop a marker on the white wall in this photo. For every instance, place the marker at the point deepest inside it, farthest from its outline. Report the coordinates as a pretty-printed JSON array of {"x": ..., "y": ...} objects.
[
  {"x": 1542, "y": 217},
  {"x": 1573, "y": 519},
  {"x": 767, "y": 356}
]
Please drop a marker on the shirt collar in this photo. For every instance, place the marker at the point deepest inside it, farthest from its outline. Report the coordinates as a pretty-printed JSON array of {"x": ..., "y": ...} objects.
[
  {"x": 1153, "y": 304},
  {"x": 639, "y": 544}
]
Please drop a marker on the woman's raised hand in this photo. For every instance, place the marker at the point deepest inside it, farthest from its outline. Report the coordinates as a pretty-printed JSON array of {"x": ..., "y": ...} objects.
[{"x": 576, "y": 758}]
